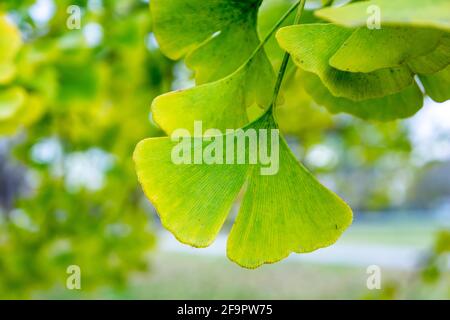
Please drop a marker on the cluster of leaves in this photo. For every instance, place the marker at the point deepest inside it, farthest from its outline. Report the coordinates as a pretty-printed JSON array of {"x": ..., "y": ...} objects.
[
  {"x": 93, "y": 100},
  {"x": 367, "y": 73},
  {"x": 370, "y": 72},
  {"x": 55, "y": 86}
]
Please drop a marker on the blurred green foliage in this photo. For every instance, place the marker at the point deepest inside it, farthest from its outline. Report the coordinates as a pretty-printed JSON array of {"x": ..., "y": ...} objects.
[{"x": 88, "y": 100}]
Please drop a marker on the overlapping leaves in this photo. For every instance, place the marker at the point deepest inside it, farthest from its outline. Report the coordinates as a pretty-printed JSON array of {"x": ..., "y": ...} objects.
[
  {"x": 279, "y": 214},
  {"x": 216, "y": 36},
  {"x": 370, "y": 72}
]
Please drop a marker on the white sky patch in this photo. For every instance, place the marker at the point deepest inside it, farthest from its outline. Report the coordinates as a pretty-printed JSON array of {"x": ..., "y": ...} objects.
[
  {"x": 183, "y": 77},
  {"x": 151, "y": 42},
  {"x": 80, "y": 169},
  {"x": 87, "y": 169},
  {"x": 42, "y": 11},
  {"x": 93, "y": 34},
  {"x": 47, "y": 151},
  {"x": 322, "y": 156},
  {"x": 429, "y": 131},
  {"x": 95, "y": 5}
]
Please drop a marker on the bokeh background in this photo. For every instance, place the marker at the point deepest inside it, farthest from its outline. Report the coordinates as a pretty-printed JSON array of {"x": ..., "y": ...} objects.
[{"x": 69, "y": 194}]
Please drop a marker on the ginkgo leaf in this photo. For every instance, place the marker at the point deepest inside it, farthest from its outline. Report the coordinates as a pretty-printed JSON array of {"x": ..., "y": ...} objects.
[
  {"x": 434, "y": 61},
  {"x": 285, "y": 213},
  {"x": 193, "y": 200},
  {"x": 10, "y": 43},
  {"x": 289, "y": 211},
  {"x": 369, "y": 50},
  {"x": 221, "y": 104},
  {"x": 420, "y": 13},
  {"x": 437, "y": 85},
  {"x": 312, "y": 47},
  {"x": 215, "y": 36},
  {"x": 399, "y": 105}
]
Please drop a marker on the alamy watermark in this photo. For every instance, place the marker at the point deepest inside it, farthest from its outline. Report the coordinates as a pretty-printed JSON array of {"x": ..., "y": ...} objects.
[
  {"x": 73, "y": 281},
  {"x": 234, "y": 146},
  {"x": 374, "y": 19},
  {"x": 74, "y": 19},
  {"x": 374, "y": 279}
]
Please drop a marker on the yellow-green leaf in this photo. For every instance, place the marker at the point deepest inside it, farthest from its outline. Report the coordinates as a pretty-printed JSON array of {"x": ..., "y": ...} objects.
[
  {"x": 437, "y": 85},
  {"x": 312, "y": 47},
  {"x": 399, "y": 105},
  {"x": 287, "y": 212},
  {"x": 215, "y": 36},
  {"x": 434, "y": 61},
  {"x": 221, "y": 104},
  {"x": 370, "y": 50}
]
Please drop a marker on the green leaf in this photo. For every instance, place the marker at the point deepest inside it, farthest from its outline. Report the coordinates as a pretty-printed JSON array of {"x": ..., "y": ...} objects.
[
  {"x": 437, "y": 85},
  {"x": 215, "y": 36},
  {"x": 434, "y": 61},
  {"x": 312, "y": 46},
  {"x": 419, "y": 13},
  {"x": 10, "y": 43},
  {"x": 221, "y": 104},
  {"x": 400, "y": 105},
  {"x": 369, "y": 50},
  {"x": 280, "y": 214}
]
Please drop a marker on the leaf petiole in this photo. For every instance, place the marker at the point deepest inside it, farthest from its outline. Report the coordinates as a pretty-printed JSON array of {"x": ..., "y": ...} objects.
[{"x": 286, "y": 58}]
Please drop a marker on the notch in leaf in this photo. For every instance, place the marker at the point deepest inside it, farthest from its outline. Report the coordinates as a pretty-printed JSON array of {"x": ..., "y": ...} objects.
[{"x": 280, "y": 214}]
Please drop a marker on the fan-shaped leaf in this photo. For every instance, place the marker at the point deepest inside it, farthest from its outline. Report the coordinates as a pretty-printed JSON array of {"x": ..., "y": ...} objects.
[
  {"x": 369, "y": 50},
  {"x": 215, "y": 36},
  {"x": 312, "y": 46},
  {"x": 221, "y": 104},
  {"x": 283, "y": 213}
]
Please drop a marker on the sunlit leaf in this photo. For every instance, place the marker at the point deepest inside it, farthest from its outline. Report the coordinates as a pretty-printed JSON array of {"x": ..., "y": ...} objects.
[
  {"x": 220, "y": 104},
  {"x": 283, "y": 213},
  {"x": 312, "y": 46},
  {"x": 216, "y": 37},
  {"x": 420, "y": 13},
  {"x": 369, "y": 50},
  {"x": 437, "y": 85},
  {"x": 399, "y": 105},
  {"x": 434, "y": 61}
]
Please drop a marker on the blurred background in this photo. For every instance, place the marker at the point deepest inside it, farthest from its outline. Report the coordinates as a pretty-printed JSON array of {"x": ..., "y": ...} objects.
[{"x": 74, "y": 102}]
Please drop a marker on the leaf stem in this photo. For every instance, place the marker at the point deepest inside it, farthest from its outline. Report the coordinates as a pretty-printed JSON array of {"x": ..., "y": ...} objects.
[
  {"x": 277, "y": 25},
  {"x": 286, "y": 58}
]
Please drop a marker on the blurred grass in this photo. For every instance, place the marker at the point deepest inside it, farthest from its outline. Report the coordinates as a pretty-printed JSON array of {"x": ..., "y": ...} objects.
[
  {"x": 397, "y": 233},
  {"x": 182, "y": 276}
]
